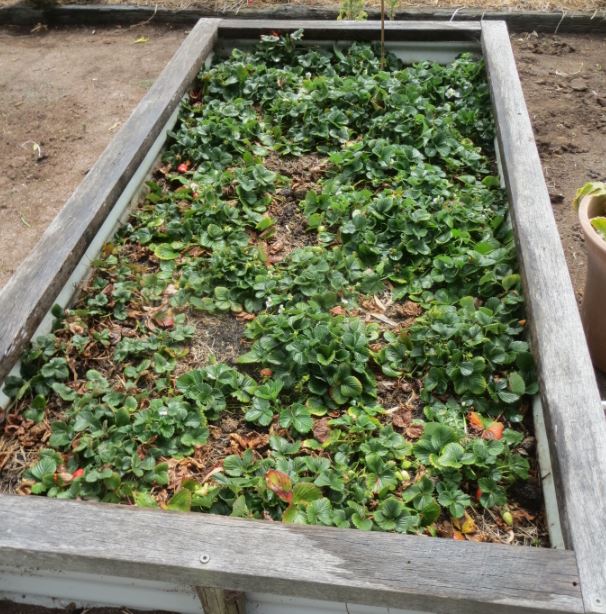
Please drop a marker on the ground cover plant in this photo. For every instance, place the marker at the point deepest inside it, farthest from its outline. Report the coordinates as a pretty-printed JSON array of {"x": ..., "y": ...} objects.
[{"x": 314, "y": 315}]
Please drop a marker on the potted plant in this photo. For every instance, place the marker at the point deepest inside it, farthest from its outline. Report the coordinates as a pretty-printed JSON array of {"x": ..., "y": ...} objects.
[{"x": 590, "y": 202}]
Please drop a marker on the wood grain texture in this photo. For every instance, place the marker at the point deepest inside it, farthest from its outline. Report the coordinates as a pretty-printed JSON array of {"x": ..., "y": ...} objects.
[
  {"x": 100, "y": 14},
  {"x": 218, "y": 601},
  {"x": 31, "y": 291},
  {"x": 346, "y": 565},
  {"x": 575, "y": 422},
  {"x": 353, "y": 30}
]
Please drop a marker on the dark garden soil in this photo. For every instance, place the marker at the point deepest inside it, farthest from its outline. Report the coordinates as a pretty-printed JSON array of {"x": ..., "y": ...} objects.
[{"x": 54, "y": 129}]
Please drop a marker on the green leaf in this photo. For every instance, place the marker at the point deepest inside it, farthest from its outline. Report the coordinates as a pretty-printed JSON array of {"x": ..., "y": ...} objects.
[
  {"x": 319, "y": 511},
  {"x": 454, "y": 456},
  {"x": 439, "y": 434},
  {"x": 591, "y": 188},
  {"x": 240, "y": 508},
  {"x": 429, "y": 513},
  {"x": 508, "y": 397},
  {"x": 351, "y": 387},
  {"x": 236, "y": 466},
  {"x": 510, "y": 281},
  {"x": 454, "y": 499},
  {"x": 65, "y": 392},
  {"x": 364, "y": 524},
  {"x": 492, "y": 494},
  {"x": 260, "y": 412},
  {"x": 298, "y": 416},
  {"x": 36, "y": 410},
  {"x": 180, "y": 501},
  {"x": 144, "y": 499},
  {"x": 294, "y": 515},
  {"x": 305, "y": 492},
  {"x": 165, "y": 252},
  {"x": 264, "y": 224},
  {"x": 516, "y": 384},
  {"x": 43, "y": 468},
  {"x": 283, "y": 446},
  {"x": 599, "y": 224}
]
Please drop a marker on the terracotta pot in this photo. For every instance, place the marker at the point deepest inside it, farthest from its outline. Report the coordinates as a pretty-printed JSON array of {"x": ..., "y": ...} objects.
[{"x": 593, "y": 309}]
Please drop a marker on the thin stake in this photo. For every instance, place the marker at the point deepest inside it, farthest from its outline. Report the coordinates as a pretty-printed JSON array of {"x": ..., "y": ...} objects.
[{"x": 382, "y": 34}]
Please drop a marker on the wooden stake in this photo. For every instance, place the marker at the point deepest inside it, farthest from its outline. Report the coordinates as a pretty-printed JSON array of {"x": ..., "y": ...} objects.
[
  {"x": 218, "y": 601},
  {"x": 382, "y": 34}
]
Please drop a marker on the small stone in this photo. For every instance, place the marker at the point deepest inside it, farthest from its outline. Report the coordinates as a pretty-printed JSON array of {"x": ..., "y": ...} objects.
[
  {"x": 602, "y": 101},
  {"x": 556, "y": 197},
  {"x": 578, "y": 85}
]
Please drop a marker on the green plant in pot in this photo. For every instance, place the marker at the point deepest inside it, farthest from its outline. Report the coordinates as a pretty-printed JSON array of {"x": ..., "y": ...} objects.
[{"x": 590, "y": 201}]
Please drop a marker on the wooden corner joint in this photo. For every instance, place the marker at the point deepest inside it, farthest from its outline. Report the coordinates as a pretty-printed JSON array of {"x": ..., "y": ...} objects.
[{"x": 219, "y": 601}]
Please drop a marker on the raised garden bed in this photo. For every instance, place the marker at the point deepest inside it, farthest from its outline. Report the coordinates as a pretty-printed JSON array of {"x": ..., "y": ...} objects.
[{"x": 381, "y": 385}]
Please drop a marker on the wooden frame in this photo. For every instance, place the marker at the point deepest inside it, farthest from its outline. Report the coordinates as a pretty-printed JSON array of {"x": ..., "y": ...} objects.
[{"x": 396, "y": 571}]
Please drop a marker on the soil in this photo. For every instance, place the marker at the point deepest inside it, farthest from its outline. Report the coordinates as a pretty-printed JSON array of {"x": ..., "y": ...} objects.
[
  {"x": 234, "y": 6},
  {"x": 218, "y": 338},
  {"x": 290, "y": 227},
  {"x": 63, "y": 95},
  {"x": 564, "y": 81}
]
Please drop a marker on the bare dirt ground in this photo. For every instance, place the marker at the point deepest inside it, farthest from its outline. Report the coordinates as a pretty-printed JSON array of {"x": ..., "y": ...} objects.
[
  {"x": 63, "y": 94},
  {"x": 232, "y": 6},
  {"x": 564, "y": 80}
]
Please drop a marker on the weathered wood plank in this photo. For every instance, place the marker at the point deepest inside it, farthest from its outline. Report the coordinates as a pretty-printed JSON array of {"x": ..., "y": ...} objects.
[
  {"x": 30, "y": 292},
  {"x": 412, "y": 572},
  {"x": 218, "y": 601},
  {"x": 575, "y": 422},
  {"x": 100, "y": 15},
  {"x": 353, "y": 30}
]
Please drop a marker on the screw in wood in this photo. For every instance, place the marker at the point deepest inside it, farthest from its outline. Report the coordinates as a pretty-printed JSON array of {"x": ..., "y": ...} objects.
[{"x": 204, "y": 558}]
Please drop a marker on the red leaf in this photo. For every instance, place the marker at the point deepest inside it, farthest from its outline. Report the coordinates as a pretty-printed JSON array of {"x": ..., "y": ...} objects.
[
  {"x": 494, "y": 431},
  {"x": 279, "y": 483},
  {"x": 475, "y": 421}
]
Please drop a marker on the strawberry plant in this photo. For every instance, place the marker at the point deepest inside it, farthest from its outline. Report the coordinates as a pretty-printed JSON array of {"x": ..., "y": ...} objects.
[{"x": 380, "y": 374}]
